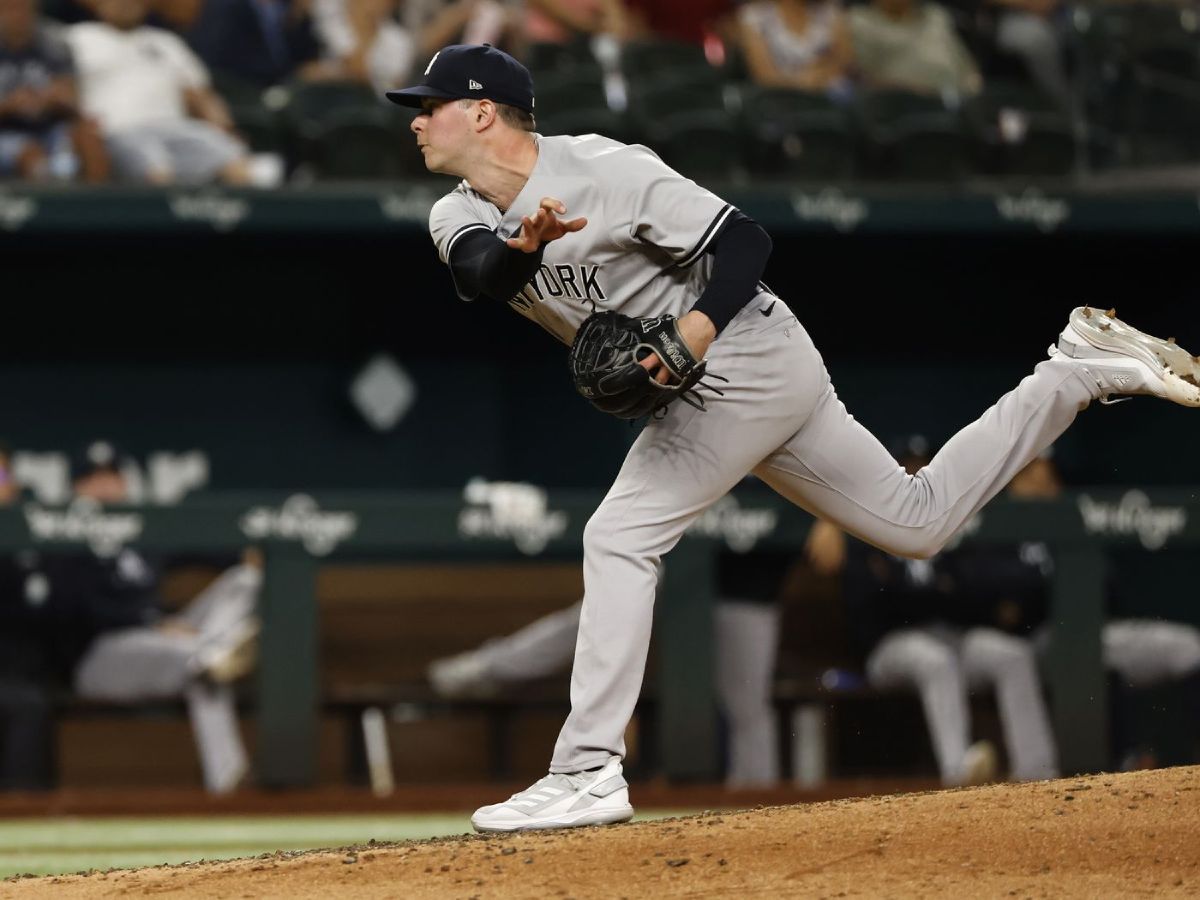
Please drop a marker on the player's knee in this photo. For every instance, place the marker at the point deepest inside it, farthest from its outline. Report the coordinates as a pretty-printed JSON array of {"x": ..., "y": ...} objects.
[
  {"x": 996, "y": 652},
  {"x": 918, "y": 545},
  {"x": 601, "y": 534}
]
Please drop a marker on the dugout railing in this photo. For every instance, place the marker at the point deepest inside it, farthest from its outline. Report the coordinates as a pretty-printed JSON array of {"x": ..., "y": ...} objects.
[{"x": 299, "y": 532}]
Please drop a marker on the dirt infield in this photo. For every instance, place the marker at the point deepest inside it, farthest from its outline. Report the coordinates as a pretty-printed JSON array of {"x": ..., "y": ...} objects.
[{"x": 1135, "y": 834}]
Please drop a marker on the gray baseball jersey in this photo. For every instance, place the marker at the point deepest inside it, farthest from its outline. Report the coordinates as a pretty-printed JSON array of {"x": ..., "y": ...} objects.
[{"x": 642, "y": 252}]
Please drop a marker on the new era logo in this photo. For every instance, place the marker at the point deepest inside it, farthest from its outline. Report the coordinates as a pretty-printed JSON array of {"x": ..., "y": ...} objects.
[{"x": 474, "y": 85}]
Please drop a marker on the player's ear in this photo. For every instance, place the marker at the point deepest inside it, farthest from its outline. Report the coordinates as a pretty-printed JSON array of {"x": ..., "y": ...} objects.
[{"x": 485, "y": 114}]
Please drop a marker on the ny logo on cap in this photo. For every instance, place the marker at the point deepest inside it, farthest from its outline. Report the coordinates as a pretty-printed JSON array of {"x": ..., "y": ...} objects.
[{"x": 474, "y": 85}]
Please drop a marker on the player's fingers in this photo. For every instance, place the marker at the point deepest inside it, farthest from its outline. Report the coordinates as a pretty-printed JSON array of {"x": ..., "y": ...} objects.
[
  {"x": 553, "y": 204},
  {"x": 651, "y": 362},
  {"x": 574, "y": 224}
]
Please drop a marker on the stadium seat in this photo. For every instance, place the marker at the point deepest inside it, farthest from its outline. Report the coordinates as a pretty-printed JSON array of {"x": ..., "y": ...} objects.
[
  {"x": 912, "y": 137},
  {"x": 360, "y": 143},
  {"x": 1164, "y": 119},
  {"x": 1020, "y": 131},
  {"x": 648, "y": 58},
  {"x": 797, "y": 134},
  {"x": 588, "y": 121},
  {"x": 566, "y": 92},
  {"x": 703, "y": 144},
  {"x": 547, "y": 58}
]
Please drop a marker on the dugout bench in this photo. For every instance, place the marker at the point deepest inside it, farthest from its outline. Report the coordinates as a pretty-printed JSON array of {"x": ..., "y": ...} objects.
[{"x": 297, "y": 532}]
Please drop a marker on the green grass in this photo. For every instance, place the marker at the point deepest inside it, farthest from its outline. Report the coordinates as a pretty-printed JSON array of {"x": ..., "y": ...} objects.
[{"x": 53, "y": 846}]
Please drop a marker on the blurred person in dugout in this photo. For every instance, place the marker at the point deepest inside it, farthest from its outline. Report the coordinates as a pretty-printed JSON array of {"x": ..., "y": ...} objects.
[
  {"x": 115, "y": 641},
  {"x": 799, "y": 44},
  {"x": 1139, "y": 652},
  {"x": 26, "y": 719},
  {"x": 42, "y": 135},
  {"x": 943, "y": 629},
  {"x": 162, "y": 121},
  {"x": 912, "y": 45},
  {"x": 745, "y": 633}
]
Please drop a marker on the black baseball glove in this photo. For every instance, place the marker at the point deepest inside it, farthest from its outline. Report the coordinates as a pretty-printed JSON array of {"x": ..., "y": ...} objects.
[{"x": 606, "y": 365}]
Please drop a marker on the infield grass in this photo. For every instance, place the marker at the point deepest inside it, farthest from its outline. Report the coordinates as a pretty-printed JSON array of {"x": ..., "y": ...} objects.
[{"x": 54, "y": 846}]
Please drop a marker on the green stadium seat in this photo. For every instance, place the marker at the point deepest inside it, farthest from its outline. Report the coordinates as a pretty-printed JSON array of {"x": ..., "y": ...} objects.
[
  {"x": 913, "y": 137},
  {"x": 797, "y": 134}
]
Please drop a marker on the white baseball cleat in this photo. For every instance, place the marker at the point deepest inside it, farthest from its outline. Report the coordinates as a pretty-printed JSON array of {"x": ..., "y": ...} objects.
[
  {"x": 1123, "y": 360},
  {"x": 598, "y": 797}
]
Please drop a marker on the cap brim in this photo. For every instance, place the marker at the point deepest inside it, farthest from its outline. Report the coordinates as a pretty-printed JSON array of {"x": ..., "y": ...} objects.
[{"x": 413, "y": 96}]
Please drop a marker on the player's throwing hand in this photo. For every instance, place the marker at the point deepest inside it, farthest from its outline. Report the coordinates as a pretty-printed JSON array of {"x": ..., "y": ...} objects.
[{"x": 544, "y": 226}]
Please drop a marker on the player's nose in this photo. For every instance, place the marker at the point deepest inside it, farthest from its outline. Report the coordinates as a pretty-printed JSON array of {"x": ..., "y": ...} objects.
[{"x": 417, "y": 124}]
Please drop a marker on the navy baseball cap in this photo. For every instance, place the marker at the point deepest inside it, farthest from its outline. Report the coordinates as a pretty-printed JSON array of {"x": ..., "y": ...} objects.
[{"x": 474, "y": 71}]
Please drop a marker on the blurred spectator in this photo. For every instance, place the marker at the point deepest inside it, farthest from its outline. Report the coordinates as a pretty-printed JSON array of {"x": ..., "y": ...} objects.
[
  {"x": 42, "y": 136},
  {"x": 112, "y": 640},
  {"x": 797, "y": 44},
  {"x": 559, "y": 21},
  {"x": 919, "y": 628},
  {"x": 911, "y": 45},
  {"x": 8, "y": 485},
  {"x": 1033, "y": 30},
  {"x": 261, "y": 42},
  {"x": 361, "y": 40},
  {"x": 161, "y": 118},
  {"x": 26, "y": 724},
  {"x": 439, "y": 23},
  {"x": 701, "y": 22}
]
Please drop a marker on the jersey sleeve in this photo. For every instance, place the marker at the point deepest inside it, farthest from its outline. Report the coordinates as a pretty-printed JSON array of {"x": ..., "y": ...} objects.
[
  {"x": 451, "y": 218},
  {"x": 665, "y": 208}
]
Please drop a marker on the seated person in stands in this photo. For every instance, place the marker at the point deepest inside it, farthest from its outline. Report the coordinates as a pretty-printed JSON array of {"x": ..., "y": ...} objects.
[
  {"x": 103, "y": 622},
  {"x": 42, "y": 135},
  {"x": 256, "y": 42},
  {"x": 802, "y": 44},
  {"x": 911, "y": 45},
  {"x": 161, "y": 119},
  {"x": 1033, "y": 31},
  {"x": 362, "y": 41}
]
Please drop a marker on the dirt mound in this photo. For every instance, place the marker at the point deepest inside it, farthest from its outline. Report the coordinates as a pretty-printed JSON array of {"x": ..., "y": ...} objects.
[{"x": 1121, "y": 835}]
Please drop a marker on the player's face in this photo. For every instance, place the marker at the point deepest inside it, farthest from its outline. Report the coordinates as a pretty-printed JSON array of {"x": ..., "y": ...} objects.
[{"x": 442, "y": 130}]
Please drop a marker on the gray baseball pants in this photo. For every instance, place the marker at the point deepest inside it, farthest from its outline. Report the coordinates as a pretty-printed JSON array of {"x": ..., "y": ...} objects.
[
  {"x": 781, "y": 419},
  {"x": 941, "y": 663},
  {"x": 134, "y": 665}
]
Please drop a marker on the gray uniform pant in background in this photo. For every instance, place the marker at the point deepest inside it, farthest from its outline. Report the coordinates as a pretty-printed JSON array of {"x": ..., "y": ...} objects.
[
  {"x": 942, "y": 663},
  {"x": 746, "y": 637},
  {"x": 135, "y": 665},
  {"x": 780, "y": 419}
]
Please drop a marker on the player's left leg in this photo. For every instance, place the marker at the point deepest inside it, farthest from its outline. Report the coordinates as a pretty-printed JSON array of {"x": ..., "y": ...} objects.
[
  {"x": 836, "y": 469},
  {"x": 677, "y": 468}
]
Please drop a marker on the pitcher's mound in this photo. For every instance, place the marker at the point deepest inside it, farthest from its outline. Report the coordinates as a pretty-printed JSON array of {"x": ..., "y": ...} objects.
[{"x": 1121, "y": 835}]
